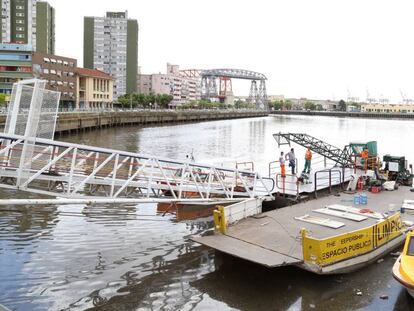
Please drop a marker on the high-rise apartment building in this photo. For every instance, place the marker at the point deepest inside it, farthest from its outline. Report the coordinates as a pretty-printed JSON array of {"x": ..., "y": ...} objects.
[
  {"x": 28, "y": 22},
  {"x": 111, "y": 46}
]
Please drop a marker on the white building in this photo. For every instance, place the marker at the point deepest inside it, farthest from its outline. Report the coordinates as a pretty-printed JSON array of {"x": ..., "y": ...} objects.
[
  {"x": 111, "y": 46},
  {"x": 183, "y": 89}
]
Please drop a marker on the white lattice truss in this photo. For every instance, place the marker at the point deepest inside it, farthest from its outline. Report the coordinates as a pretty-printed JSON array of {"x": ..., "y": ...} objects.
[{"x": 77, "y": 171}]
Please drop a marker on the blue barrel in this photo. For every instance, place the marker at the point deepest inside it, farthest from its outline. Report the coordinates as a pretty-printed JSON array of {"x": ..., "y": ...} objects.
[
  {"x": 363, "y": 199},
  {"x": 357, "y": 199}
]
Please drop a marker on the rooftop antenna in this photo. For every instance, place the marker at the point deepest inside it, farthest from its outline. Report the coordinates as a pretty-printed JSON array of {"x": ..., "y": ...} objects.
[
  {"x": 406, "y": 101},
  {"x": 352, "y": 99},
  {"x": 370, "y": 100},
  {"x": 383, "y": 100}
]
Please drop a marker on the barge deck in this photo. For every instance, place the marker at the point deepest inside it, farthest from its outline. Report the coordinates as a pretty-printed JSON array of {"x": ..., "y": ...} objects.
[{"x": 279, "y": 238}]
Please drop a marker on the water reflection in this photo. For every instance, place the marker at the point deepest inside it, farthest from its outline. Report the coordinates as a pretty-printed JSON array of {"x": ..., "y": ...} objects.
[
  {"x": 245, "y": 286},
  {"x": 167, "y": 285}
]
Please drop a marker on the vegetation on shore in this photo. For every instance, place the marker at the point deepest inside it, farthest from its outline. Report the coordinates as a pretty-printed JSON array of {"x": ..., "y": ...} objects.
[
  {"x": 206, "y": 104},
  {"x": 145, "y": 100}
]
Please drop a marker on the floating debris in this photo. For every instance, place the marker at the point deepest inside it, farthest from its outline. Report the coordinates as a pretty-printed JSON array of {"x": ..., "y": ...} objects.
[{"x": 396, "y": 254}]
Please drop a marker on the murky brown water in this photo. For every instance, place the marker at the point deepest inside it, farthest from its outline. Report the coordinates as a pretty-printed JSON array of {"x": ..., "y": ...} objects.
[{"x": 133, "y": 258}]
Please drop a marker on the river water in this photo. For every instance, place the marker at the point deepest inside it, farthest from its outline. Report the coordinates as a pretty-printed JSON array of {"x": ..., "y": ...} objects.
[{"x": 133, "y": 258}]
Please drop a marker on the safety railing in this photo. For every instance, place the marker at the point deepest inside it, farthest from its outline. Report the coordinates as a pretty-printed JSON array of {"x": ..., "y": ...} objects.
[
  {"x": 370, "y": 163},
  {"x": 327, "y": 179},
  {"x": 4, "y": 110},
  {"x": 249, "y": 165},
  {"x": 274, "y": 167},
  {"x": 71, "y": 170},
  {"x": 288, "y": 184},
  {"x": 321, "y": 161}
]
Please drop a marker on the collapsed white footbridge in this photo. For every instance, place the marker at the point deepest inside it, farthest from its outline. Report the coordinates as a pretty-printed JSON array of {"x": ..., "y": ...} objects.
[{"x": 30, "y": 160}]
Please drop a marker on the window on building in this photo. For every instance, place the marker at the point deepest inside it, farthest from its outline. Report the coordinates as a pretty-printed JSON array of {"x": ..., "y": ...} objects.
[
  {"x": 20, "y": 35},
  {"x": 19, "y": 28},
  {"x": 60, "y": 62},
  {"x": 53, "y": 71},
  {"x": 20, "y": 14},
  {"x": 53, "y": 61},
  {"x": 19, "y": 7},
  {"x": 46, "y": 60},
  {"x": 46, "y": 71},
  {"x": 59, "y": 73},
  {"x": 14, "y": 57}
]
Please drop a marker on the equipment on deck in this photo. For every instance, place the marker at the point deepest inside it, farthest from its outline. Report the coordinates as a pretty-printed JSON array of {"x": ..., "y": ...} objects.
[
  {"x": 304, "y": 178},
  {"x": 396, "y": 167},
  {"x": 349, "y": 156}
]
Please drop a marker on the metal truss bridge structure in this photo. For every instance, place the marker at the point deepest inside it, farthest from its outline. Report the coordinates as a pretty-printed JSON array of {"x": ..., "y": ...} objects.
[
  {"x": 30, "y": 160},
  {"x": 343, "y": 157},
  {"x": 76, "y": 171},
  {"x": 222, "y": 77}
]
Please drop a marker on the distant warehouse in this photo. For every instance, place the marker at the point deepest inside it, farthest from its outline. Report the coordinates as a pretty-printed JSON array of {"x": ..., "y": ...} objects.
[{"x": 388, "y": 108}]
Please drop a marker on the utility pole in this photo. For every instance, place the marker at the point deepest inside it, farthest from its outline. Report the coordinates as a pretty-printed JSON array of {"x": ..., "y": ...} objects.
[{"x": 130, "y": 101}]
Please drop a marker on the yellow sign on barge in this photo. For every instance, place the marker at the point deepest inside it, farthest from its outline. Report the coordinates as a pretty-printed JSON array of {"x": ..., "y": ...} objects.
[
  {"x": 293, "y": 236},
  {"x": 339, "y": 252}
]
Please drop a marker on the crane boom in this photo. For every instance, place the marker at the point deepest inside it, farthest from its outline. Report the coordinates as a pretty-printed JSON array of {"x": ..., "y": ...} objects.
[{"x": 340, "y": 156}]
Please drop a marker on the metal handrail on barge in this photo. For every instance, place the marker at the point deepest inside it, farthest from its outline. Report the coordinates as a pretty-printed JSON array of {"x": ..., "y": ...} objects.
[
  {"x": 284, "y": 182},
  {"x": 330, "y": 171}
]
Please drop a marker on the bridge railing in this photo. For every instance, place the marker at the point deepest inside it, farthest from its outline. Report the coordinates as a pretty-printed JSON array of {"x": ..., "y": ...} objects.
[
  {"x": 71, "y": 170},
  {"x": 274, "y": 167}
]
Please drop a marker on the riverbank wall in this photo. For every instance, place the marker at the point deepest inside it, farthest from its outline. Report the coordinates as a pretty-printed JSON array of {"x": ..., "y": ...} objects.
[
  {"x": 342, "y": 114},
  {"x": 79, "y": 121}
]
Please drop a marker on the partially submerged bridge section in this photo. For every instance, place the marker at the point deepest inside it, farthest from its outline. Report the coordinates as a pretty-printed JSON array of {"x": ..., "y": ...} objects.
[
  {"x": 32, "y": 161},
  {"x": 73, "y": 171}
]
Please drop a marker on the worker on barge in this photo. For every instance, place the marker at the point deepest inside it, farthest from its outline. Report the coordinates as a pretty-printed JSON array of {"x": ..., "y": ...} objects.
[
  {"x": 308, "y": 159},
  {"x": 292, "y": 160},
  {"x": 282, "y": 165}
]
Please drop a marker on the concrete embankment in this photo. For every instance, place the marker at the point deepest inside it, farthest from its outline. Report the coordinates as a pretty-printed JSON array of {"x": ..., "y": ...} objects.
[
  {"x": 76, "y": 121},
  {"x": 347, "y": 114}
]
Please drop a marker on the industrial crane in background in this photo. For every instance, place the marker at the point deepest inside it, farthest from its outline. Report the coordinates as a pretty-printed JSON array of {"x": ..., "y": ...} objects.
[
  {"x": 370, "y": 100},
  {"x": 407, "y": 101}
]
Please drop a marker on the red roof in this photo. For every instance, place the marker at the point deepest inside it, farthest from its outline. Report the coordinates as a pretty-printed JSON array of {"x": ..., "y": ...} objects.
[{"x": 93, "y": 73}]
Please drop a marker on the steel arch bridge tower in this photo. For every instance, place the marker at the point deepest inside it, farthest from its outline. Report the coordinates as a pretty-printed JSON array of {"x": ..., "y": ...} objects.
[{"x": 258, "y": 93}]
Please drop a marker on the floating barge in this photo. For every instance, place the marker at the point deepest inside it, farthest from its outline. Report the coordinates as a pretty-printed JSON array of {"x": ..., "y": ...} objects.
[{"x": 328, "y": 235}]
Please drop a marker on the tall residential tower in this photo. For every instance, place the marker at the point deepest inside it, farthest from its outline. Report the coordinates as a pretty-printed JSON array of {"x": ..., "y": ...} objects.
[
  {"x": 110, "y": 44},
  {"x": 28, "y": 22}
]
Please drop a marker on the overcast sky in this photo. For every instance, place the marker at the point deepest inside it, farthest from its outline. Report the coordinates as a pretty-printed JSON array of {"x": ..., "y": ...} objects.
[{"x": 308, "y": 48}]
